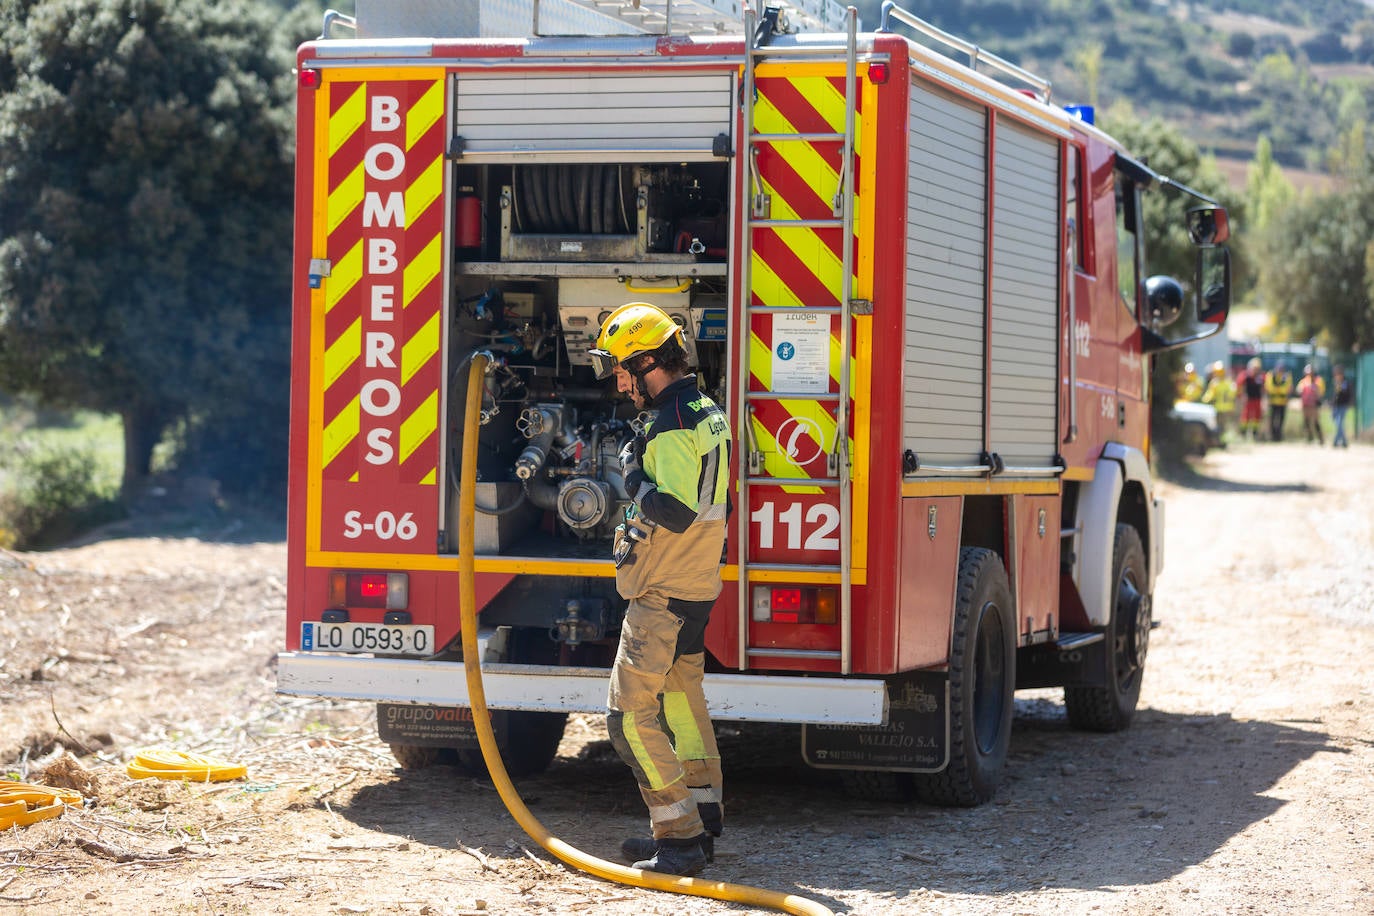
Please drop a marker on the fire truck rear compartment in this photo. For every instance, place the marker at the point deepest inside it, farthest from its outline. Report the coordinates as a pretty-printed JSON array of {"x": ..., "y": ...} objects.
[{"x": 547, "y": 250}]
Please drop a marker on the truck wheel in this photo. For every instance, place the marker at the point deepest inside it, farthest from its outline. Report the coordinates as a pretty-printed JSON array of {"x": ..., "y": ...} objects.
[
  {"x": 415, "y": 757},
  {"x": 1110, "y": 708},
  {"x": 982, "y": 681},
  {"x": 531, "y": 743}
]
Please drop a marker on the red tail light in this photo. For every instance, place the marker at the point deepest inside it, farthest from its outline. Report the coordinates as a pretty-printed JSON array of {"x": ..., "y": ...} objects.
[
  {"x": 795, "y": 604},
  {"x": 357, "y": 589}
]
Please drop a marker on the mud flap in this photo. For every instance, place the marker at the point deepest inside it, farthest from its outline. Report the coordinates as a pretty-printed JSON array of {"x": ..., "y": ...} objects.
[
  {"x": 914, "y": 740},
  {"x": 1048, "y": 665},
  {"x": 434, "y": 726}
]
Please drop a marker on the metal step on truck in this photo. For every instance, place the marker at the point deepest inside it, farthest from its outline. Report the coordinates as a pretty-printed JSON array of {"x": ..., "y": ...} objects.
[{"x": 918, "y": 286}]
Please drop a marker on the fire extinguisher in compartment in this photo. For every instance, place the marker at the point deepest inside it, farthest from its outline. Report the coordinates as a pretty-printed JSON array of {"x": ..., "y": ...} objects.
[{"x": 467, "y": 221}]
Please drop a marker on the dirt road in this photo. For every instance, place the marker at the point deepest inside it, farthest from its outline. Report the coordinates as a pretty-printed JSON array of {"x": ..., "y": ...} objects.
[{"x": 1245, "y": 786}]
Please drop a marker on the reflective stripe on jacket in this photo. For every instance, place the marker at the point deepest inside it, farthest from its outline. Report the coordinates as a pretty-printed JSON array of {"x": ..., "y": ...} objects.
[
  {"x": 1221, "y": 394},
  {"x": 1278, "y": 388},
  {"x": 687, "y": 459}
]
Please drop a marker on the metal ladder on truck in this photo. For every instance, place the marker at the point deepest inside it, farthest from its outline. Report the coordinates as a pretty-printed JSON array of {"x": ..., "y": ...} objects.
[{"x": 756, "y": 219}]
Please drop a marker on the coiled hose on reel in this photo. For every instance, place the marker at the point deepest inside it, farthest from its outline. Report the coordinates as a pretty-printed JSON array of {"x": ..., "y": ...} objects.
[{"x": 481, "y": 717}]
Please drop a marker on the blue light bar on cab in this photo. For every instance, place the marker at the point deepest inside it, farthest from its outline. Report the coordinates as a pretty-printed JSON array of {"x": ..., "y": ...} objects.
[{"x": 1083, "y": 113}]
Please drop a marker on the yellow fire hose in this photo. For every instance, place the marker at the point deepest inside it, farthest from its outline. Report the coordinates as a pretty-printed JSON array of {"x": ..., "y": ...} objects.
[
  {"x": 481, "y": 718},
  {"x": 159, "y": 763},
  {"x": 22, "y": 803}
]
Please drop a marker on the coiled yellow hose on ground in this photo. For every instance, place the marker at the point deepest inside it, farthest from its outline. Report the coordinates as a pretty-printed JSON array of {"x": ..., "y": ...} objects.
[
  {"x": 481, "y": 718},
  {"x": 163, "y": 764},
  {"x": 23, "y": 803}
]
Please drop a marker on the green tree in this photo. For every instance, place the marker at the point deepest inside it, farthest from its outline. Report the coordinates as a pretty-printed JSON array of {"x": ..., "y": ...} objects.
[
  {"x": 1347, "y": 157},
  {"x": 1087, "y": 60},
  {"x": 145, "y": 220},
  {"x": 1268, "y": 192},
  {"x": 1317, "y": 267}
]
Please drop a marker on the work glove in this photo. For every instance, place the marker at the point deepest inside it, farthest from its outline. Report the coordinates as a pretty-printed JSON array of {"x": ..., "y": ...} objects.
[{"x": 631, "y": 465}]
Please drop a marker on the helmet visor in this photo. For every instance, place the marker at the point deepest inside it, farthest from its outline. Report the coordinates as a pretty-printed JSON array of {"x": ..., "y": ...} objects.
[{"x": 603, "y": 363}]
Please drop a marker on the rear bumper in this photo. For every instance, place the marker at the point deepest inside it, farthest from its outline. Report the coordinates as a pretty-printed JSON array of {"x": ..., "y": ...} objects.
[{"x": 541, "y": 688}]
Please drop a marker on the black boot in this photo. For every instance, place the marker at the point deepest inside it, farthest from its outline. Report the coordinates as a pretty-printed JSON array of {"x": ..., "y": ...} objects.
[
  {"x": 677, "y": 857},
  {"x": 638, "y": 848}
]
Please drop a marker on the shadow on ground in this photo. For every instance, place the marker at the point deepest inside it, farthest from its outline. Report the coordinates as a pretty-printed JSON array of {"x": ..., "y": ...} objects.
[
  {"x": 206, "y": 524},
  {"x": 1188, "y": 476},
  {"x": 1168, "y": 793}
]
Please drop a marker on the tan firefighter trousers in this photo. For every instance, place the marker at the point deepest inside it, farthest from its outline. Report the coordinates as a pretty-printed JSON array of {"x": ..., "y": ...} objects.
[{"x": 658, "y": 720}]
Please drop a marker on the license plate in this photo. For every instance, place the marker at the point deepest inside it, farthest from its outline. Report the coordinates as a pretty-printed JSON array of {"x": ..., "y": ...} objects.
[{"x": 398, "y": 639}]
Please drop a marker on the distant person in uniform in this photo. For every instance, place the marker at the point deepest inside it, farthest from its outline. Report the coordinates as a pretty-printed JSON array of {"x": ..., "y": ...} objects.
[
  {"x": 1251, "y": 386},
  {"x": 1278, "y": 387},
  {"x": 1342, "y": 399},
  {"x": 1221, "y": 394},
  {"x": 1311, "y": 393},
  {"x": 1190, "y": 385}
]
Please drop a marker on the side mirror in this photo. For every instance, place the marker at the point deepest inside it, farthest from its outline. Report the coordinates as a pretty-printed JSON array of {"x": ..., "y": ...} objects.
[
  {"x": 1214, "y": 285},
  {"x": 1164, "y": 299},
  {"x": 1208, "y": 226}
]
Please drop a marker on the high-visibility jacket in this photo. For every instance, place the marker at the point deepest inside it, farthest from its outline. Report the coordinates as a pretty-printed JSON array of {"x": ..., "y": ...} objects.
[
  {"x": 1221, "y": 394},
  {"x": 1278, "y": 387},
  {"x": 684, "y": 490}
]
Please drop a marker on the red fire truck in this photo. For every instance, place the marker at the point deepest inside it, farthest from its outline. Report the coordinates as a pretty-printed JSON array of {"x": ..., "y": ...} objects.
[{"x": 918, "y": 286}]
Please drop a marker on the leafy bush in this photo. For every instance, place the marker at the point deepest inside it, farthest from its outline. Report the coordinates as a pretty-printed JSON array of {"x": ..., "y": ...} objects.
[
  {"x": 1326, "y": 48},
  {"x": 51, "y": 495}
]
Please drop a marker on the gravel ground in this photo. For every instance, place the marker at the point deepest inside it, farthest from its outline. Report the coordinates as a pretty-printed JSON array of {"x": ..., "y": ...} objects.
[{"x": 1243, "y": 787}]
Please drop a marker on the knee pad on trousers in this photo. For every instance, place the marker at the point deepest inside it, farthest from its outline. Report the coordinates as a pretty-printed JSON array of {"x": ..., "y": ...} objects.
[{"x": 712, "y": 818}]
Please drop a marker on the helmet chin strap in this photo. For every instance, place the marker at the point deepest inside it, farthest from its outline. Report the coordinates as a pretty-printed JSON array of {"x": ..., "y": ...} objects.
[{"x": 641, "y": 387}]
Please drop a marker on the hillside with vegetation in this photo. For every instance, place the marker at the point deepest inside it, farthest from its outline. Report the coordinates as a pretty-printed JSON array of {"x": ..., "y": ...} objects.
[{"x": 1300, "y": 72}]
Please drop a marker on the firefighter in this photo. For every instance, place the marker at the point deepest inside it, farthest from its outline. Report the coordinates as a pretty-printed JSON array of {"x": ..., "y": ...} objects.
[
  {"x": 1250, "y": 383},
  {"x": 1190, "y": 386},
  {"x": 668, "y": 553},
  {"x": 1311, "y": 393},
  {"x": 1342, "y": 399},
  {"x": 1278, "y": 386},
  {"x": 1221, "y": 394}
]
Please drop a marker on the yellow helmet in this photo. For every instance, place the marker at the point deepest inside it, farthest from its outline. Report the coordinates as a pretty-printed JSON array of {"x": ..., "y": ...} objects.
[
  {"x": 1218, "y": 370},
  {"x": 635, "y": 327}
]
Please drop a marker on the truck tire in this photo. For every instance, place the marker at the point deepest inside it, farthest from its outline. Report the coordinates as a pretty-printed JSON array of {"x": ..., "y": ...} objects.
[
  {"x": 1110, "y": 708},
  {"x": 982, "y": 682},
  {"x": 531, "y": 744}
]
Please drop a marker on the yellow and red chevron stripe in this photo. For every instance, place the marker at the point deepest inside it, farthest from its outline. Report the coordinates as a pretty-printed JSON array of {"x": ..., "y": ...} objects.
[
  {"x": 801, "y": 266},
  {"x": 385, "y": 181}
]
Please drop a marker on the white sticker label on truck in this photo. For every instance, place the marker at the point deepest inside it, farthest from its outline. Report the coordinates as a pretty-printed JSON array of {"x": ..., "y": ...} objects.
[{"x": 801, "y": 352}]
